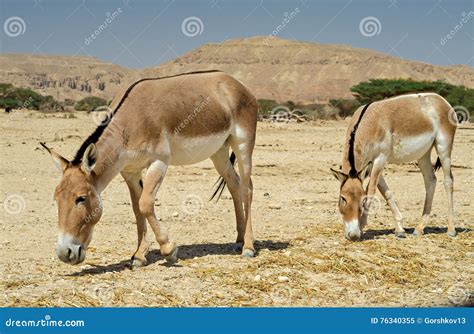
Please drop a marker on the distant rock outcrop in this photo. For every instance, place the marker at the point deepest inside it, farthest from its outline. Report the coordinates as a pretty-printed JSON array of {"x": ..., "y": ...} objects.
[{"x": 64, "y": 77}]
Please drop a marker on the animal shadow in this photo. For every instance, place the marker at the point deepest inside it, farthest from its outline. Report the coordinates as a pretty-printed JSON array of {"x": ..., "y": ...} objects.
[
  {"x": 185, "y": 252},
  {"x": 373, "y": 234}
]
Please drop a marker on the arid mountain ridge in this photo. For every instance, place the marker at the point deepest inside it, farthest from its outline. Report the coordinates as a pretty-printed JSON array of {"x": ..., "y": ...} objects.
[{"x": 273, "y": 68}]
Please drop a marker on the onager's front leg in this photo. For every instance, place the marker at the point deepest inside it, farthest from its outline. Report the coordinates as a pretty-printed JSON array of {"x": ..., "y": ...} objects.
[
  {"x": 153, "y": 179},
  {"x": 133, "y": 181},
  {"x": 388, "y": 196},
  {"x": 375, "y": 174}
]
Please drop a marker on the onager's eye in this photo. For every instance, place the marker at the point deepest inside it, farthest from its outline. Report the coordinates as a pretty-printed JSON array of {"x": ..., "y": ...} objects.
[
  {"x": 343, "y": 201},
  {"x": 80, "y": 200}
]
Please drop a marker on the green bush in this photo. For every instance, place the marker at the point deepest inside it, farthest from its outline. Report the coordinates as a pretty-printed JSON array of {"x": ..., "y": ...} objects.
[
  {"x": 90, "y": 103},
  {"x": 346, "y": 107},
  {"x": 265, "y": 106},
  {"x": 378, "y": 89},
  {"x": 69, "y": 102},
  {"x": 21, "y": 98}
]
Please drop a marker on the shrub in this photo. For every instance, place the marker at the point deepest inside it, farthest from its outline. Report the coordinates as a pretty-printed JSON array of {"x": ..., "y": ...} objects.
[
  {"x": 90, "y": 103},
  {"x": 50, "y": 105},
  {"x": 69, "y": 102},
  {"x": 346, "y": 107},
  {"x": 265, "y": 106}
]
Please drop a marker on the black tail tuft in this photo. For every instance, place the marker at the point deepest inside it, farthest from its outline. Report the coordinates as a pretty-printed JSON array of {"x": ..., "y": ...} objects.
[
  {"x": 221, "y": 182},
  {"x": 437, "y": 165}
]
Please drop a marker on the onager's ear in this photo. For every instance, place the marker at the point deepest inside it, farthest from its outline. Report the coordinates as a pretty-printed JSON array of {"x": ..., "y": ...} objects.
[
  {"x": 365, "y": 171},
  {"x": 60, "y": 162},
  {"x": 89, "y": 159},
  {"x": 339, "y": 175}
]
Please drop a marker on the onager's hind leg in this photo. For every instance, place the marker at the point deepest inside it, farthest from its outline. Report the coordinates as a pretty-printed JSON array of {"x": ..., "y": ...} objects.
[
  {"x": 226, "y": 170},
  {"x": 444, "y": 147},
  {"x": 133, "y": 181},
  {"x": 388, "y": 196},
  {"x": 153, "y": 179},
  {"x": 429, "y": 178},
  {"x": 243, "y": 153}
]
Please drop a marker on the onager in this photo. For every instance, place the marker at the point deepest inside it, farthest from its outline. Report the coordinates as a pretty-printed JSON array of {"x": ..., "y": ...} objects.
[
  {"x": 175, "y": 120},
  {"x": 397, "y": 130}
]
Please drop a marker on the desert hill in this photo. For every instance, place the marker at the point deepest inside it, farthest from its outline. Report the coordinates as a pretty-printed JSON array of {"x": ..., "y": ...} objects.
[
  {"x": 305, "y": 72},
  {"x": 273, "y": 68}
]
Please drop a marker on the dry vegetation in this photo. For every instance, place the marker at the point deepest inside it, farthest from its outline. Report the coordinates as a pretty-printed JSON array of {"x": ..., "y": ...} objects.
[{"x": 302, "y": 256}]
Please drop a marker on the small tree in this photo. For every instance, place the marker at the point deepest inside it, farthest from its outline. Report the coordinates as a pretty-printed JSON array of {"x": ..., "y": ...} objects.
[{"x": 379, "y": 89}]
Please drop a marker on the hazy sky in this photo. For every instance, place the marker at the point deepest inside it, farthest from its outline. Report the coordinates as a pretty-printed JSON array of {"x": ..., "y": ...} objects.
[{"x": 143, "y": 33}]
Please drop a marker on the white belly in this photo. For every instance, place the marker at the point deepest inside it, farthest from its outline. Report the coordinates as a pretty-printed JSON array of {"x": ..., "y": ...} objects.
[
  {"x": 407, "y": 149},
  {"x": 190, "y": 150}
]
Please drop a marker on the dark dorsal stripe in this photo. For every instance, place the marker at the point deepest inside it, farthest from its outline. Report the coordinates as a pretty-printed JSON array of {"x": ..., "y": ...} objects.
[
  {"x": 94, "y": 137},
  {"x": 353, "y": 170}
]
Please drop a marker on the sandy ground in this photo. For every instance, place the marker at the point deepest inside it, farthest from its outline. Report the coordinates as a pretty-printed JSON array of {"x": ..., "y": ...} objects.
[{"x": 302, "y": 260}]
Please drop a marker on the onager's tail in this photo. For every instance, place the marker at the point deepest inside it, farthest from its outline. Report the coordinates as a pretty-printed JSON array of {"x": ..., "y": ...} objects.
[
  {"x": 437, "y": 165},
  {"x": 221, "y": 182}
]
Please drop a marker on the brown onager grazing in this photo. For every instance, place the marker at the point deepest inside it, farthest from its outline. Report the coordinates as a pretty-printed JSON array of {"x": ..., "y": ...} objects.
[
  {"x": 176, "y": 120},
  {"x": 397, "y": 130}
]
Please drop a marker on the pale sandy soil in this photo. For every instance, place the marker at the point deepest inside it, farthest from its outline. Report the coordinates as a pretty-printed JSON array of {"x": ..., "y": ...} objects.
[{"x": 302, "y": 257}]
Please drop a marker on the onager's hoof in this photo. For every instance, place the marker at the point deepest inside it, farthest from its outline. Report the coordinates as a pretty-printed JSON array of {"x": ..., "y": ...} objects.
[
  {"x": 452, "y": 234},
  {"x": 246, "y": 252},
  {"x": 170, "y": 252},
  {"x": 400, "y": 234},
  {"x": 418, "y": 232},
  {"x": 136, "y": 262}
]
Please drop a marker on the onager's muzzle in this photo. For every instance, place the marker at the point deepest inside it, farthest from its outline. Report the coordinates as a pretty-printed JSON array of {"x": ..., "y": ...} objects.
[
  {"x": 352, "y": 230},
  {"x": 70, "y": 251}
]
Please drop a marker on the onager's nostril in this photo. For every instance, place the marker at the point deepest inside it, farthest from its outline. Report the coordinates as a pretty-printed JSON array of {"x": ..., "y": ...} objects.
[
  {"x": 79, "y": 252},
  {"x": 69, "y": 252}
]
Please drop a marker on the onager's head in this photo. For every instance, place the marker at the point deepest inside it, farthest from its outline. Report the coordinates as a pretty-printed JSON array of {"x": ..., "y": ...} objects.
[
  {"x": 79, "y": 205},
  {"x": 352, "y": 204}
]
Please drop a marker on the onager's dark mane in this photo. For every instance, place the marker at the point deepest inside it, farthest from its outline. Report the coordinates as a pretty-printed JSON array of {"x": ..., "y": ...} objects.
[
  {"x": 353, "y": 170},
  {"x": 94, "y": 137}
]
